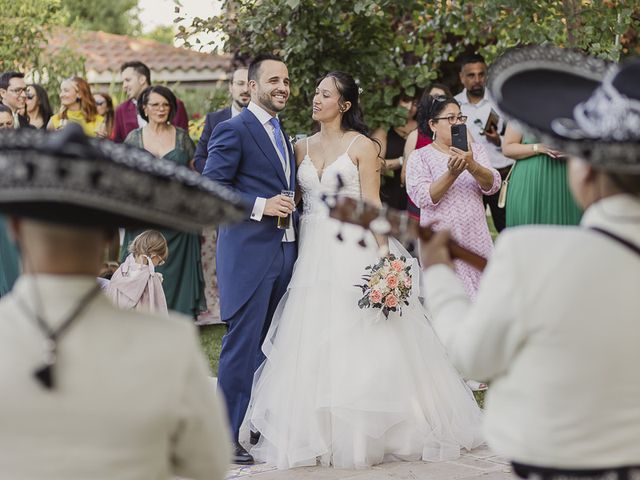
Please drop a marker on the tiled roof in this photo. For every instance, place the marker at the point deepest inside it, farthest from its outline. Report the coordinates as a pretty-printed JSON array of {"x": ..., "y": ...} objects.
[{"x": 105, "y": 52}]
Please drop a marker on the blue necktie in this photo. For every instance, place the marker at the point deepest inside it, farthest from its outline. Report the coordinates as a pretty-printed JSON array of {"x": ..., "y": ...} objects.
[{"x": 278, "y": 136}]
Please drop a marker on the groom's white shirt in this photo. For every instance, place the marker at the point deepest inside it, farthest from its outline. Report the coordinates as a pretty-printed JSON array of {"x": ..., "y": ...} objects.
[{"x": 264, "y": 118}]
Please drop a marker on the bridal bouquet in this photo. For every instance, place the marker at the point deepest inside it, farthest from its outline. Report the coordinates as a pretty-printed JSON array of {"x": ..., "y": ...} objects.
[{"x": 387, "y": 285}]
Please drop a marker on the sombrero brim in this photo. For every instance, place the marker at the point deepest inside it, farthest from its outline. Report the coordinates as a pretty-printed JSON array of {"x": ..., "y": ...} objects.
[
  {"x": 66, "y": 178},
  {"x": 537, "y": 86}
]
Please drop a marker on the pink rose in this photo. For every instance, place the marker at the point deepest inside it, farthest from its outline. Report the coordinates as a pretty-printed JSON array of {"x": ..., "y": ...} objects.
[
  {"x": 391, "y": 301},
  {"x": 392, "y": 281},
  {"x": 375, "y": 296},
  {"x": 397, "y": 265}
]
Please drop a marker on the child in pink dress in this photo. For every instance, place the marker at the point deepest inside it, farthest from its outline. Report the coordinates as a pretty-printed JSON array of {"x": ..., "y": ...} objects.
[{"x": 135, "y": 284}]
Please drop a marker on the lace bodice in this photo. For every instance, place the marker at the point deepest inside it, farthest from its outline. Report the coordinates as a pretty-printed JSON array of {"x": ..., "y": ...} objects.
[{"x": 313, "y": 184}]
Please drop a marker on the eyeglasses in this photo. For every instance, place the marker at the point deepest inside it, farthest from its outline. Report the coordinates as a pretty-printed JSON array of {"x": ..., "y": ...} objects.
[
  {"x": 99, "y": 104},
  {"x": 158, "y": 106},
  {"x": 17, "y": 91},
  {"x": 453, "y": 119}
]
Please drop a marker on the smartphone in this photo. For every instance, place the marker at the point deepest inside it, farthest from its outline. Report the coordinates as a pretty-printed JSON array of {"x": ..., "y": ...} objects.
[
  {"x": 459, "y": 136},
  {"x": 492, "y": 121}
]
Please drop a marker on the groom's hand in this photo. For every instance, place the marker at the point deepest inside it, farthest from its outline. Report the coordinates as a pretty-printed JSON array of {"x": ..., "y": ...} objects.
[{"x": 279, "y": 206}]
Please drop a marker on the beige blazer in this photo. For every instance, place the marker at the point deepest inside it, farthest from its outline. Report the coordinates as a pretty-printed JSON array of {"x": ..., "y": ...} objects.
[
  {"x": 555, "y": 329},
  {"x": 133, "y": 400}
]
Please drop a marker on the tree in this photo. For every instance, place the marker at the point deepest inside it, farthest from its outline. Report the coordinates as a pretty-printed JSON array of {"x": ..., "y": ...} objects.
[
  {"x": 25, "y": 29},
  {"x": 395, "y": 45},
  {"x": 162, "y": 33},
  {"x": 112, "y": 16}
]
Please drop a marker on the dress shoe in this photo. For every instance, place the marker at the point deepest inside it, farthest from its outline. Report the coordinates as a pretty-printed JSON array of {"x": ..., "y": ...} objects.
[
  {"x": 254, "y": 437},
  {"x": 241, "y": 456}
]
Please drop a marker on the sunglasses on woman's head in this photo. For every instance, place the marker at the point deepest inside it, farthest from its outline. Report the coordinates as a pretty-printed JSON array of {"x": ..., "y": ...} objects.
[
  {"x": 30, "y": 96},
  {"x": 100, "y": 103}
]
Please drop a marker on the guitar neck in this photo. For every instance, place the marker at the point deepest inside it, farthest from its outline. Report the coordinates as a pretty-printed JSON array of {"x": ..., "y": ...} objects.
[{"x": 397, "y": 224}]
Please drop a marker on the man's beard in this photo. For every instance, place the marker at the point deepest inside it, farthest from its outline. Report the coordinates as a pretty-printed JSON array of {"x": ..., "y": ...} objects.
[
  {"x": 477, "y": 92},
  {"x": 267, "y": 102},
  {"x": 241, "y": 103}
]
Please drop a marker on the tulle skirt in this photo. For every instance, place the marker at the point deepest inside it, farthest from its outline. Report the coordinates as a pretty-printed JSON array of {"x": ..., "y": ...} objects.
[{"x": 345, "y": 386}]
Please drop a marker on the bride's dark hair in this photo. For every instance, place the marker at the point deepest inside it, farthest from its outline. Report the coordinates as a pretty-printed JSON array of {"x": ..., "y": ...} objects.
[{"x": 347, "y": 87}]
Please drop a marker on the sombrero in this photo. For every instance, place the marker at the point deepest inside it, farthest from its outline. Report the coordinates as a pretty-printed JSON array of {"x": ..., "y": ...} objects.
[
  {"x": 67, "y": 177},
  {"x": 582, "y": 105}
]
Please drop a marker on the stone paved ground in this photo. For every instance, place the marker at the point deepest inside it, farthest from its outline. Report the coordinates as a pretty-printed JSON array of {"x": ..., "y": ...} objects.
[{"x": 481, "y": 463}]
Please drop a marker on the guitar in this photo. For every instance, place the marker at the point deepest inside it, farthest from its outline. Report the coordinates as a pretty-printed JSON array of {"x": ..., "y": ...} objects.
[{"x": 387, "y": 222}]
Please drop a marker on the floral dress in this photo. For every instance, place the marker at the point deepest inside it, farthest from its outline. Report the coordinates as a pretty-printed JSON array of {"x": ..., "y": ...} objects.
[{"x": 460, "y": 209}]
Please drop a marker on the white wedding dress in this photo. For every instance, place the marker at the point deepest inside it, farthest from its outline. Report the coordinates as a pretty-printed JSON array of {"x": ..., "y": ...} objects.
[{"x": 344, "y": 386}]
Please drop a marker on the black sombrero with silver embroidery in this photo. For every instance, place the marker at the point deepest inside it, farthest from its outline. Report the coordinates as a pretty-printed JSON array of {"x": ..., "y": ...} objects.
[
  {"x": 69, "y": 178},
  {"x": 581, "y": 105}
]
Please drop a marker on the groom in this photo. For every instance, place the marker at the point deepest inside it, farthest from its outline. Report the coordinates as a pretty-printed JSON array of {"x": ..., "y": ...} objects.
[{"x": 251, "y": 155}]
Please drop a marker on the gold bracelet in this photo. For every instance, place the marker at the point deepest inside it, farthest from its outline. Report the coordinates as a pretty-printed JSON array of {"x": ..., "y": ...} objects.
[{"x": 535, "y": 148}]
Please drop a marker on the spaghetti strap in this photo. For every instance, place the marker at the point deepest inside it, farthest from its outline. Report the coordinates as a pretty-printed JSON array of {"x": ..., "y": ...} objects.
[{"x": 352, "y": 142}]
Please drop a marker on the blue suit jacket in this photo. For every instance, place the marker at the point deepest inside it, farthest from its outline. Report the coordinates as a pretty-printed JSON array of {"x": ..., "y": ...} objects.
[
  {"x": 211, "y": 121},
  {"x": 242, "y": 157}
]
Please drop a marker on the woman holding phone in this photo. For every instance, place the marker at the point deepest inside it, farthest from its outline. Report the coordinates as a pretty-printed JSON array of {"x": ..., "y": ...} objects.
[
  {"x": 447, "y": 184},
  {"x": 538, "y": 191}
]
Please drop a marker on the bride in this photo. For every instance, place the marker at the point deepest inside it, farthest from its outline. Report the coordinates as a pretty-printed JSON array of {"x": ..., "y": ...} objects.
[{"x": 340, "y": 385}]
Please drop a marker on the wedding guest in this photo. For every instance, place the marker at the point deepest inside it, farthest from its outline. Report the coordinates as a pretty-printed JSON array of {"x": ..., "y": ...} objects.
[
  {"x": 555, "y": 324},
  {"x": 12, "y": 91},
  {"x": 9, "y": 256},
  {"x": 114, "y": 393},
  {"x": 538, "y": 192},
  {"x": 38, "y": 107},
  {"x": 78, "y": 106},
  {"x": 136, "y": 77},
  {"x": 476, "y": 105},
  {"x": 6, "y": 117},
  {"x": 135, "y": 284},
  {"x": 184, "y": 282},
  {"x": 419, "y": 138},
  {"x": 392, "y": 143},
  {"x": 240, "y": 97},
  {"x": 447, "y": 185},
  {"x": 104, "y": 105}
]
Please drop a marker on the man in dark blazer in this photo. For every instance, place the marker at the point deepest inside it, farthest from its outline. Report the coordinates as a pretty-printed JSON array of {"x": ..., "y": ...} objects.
[
  {"x": 251, "y": 155},
  {"x": 13, "y": 92},
  {"x": 239, "y": 91},
  {"x": 136, "y": 76}
]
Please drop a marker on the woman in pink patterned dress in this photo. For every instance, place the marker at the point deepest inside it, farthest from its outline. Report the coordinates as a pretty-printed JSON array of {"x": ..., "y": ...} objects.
[{"x": 447, "y": 184}]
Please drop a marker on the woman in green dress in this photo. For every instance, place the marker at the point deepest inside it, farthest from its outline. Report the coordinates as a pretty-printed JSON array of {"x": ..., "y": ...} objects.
[
  {"x": 183, "y": 279},
  {"x": 9, "y": 257},
  {"x": 9, "y": 260},
  {"x": 538, "y": 191}
]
